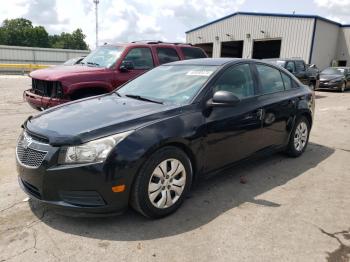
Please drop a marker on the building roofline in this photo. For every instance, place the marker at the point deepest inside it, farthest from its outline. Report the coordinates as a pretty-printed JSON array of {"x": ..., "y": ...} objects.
[{"x": 269, "y": 14}]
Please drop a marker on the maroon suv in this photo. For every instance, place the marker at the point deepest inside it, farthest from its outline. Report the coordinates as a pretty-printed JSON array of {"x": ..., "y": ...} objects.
[{"x": 102, "y": 71}]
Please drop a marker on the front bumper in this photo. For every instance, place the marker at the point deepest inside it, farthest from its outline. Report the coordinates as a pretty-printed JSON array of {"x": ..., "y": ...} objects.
[
  {"x": 329, "y": 85},
  {"x": 83, "y": 188},
  {"x": 41, "y": 102}
]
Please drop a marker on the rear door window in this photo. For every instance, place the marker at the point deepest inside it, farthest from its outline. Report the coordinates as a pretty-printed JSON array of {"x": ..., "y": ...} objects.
[
  {"x": 192, "y": 52},
  {"x": 270, "y": 79},
  {"x": 167, "y": 55},
  {"x": 141, "y": 57}
]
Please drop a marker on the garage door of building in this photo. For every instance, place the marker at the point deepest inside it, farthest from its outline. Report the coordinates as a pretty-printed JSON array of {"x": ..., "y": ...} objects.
[
  {"x": 232, "y": 49},
  {"x": 266, "y": 49},
  {"x": 207, "y": 47}
]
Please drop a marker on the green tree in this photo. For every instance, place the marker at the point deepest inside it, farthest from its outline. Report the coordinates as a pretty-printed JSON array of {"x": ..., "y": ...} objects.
[
  {"x": 74, "y": 40},
  {"x": 39, "y": 37},
  {"x": 16, "y": 32},
  {"x": 21, "y": 32}
]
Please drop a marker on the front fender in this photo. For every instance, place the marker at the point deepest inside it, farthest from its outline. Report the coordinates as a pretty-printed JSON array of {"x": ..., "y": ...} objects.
[
  {"x": 183, "y": 131},
  {"x": 106, "y": 87}
]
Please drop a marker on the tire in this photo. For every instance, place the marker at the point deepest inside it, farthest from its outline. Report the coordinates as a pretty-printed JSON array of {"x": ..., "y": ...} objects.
[
  {"x": 342, "y": 88},
  {"x": 295, "y": 149},
  {"x": 157, "y": 192}
]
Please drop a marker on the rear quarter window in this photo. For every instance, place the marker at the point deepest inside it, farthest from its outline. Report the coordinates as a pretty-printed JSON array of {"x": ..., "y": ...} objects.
[
  {"x": 167, "y": 55},
  {"x": 193, "y": 53}
]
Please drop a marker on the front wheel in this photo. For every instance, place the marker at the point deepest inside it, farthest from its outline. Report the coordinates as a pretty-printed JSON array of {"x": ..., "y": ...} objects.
[
  {"x": 299, "y": 137},
  {"x": 162, "y": 183},
  {"x": 343, "y": 87}
]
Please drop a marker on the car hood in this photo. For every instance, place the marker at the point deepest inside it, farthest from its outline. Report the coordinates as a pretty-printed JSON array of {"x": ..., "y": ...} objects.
[
  {"x": 84, "y": 120},
  {"x": 329, "y": 77},
  {"x": 58, "y": 72}
]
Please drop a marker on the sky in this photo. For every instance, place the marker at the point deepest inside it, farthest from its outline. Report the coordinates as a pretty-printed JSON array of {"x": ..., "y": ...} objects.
[{"x": 129, "y": 20}]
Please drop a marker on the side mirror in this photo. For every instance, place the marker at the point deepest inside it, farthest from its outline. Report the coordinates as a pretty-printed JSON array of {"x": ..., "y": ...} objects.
[
  {"x": 126, "y": 66},
  {"x": 223, "y": 98}
]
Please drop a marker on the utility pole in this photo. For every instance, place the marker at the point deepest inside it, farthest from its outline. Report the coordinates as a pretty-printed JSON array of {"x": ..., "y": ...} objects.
[{"x": 96, "y": 2}]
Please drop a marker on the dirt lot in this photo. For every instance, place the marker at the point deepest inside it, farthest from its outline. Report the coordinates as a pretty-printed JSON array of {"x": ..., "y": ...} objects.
[{"x": 289, "y": 209}]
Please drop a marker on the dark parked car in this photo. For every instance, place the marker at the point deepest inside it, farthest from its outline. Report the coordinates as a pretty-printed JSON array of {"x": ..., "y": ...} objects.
[
  {"x": 102, "y": 71},
  {"x": 335, "y": 78},
  {"x": 146, "y": 143},
  {"x": 307, "y": 74}
]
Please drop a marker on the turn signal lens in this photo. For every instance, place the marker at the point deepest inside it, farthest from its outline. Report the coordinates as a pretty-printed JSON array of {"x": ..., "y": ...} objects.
[{"x": 118, "y": 189}]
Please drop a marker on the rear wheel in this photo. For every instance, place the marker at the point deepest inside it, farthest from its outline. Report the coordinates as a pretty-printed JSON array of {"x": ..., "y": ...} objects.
[
  {"x": 162, "y": 183},
  {"x": 299, "y": 137}
]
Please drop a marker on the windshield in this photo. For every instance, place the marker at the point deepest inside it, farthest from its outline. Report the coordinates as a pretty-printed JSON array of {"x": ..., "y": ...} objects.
[
  {"x": 332, "y": 71},
  {"x": 104, "y": 56},
  {"x": 175, "y": 84}
]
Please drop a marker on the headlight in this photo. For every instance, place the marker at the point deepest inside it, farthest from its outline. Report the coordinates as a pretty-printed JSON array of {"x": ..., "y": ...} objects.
[
  {"x": 336, "y": 80},
  {"x": 91, "y": 152}
]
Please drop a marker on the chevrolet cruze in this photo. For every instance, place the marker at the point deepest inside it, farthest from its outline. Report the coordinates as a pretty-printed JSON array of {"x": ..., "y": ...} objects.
[{"x": 145, "y": 144}]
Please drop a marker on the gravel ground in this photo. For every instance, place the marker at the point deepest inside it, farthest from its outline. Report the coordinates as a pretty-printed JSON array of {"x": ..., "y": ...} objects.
[{"x": 289, "y": 209}]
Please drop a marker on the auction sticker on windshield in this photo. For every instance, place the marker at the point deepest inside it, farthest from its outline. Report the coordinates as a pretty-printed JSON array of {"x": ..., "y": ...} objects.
[{"x": 199, "y": 73}]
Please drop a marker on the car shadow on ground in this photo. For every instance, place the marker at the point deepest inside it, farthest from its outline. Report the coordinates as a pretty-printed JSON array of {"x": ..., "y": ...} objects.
[
  {"x": 332, "y": 91},
  {"x": 211, "y": 198}
]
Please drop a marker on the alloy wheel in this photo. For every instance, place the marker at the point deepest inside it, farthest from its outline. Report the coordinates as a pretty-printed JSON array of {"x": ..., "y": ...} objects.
[
  {"x": 167, "y": 183},
  {"x": 300, "y": 136}
]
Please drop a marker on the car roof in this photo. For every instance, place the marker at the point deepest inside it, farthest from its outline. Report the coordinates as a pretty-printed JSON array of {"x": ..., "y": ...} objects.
[
  {"x": 207, "y": 61},
  {"x": 283, "y": 59},
  {"x": 151, "y": 43}
]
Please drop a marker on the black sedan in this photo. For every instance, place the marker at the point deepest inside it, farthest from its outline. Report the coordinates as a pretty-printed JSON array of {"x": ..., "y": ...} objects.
[
  {"x": 148, "y": 142},
  {"x": 335, "y": 78}
]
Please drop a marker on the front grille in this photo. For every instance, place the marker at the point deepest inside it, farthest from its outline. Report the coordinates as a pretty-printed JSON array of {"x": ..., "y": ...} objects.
[
  {"x": 47, "y": 88},
  {"x": 27, "y": 156}
]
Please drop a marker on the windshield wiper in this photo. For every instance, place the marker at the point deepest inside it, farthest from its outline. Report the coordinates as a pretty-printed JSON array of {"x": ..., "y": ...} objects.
[
  {"x": 92, "y": 63},
  {"x": 144, "y": 98}
]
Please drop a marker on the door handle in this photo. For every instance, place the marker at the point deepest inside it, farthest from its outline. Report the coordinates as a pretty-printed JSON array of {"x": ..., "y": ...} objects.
[
  {"x": 258, "y": 114},
  {"x": 248, "y": 117}
]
